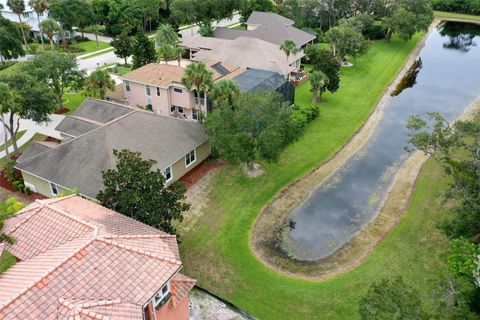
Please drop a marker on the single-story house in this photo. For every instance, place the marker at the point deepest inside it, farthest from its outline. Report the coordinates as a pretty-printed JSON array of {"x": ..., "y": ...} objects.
[
  {"x": 91, "y": 136},
  {"x": 270, "y": 27},
  {"x": 79, "y": 260}
]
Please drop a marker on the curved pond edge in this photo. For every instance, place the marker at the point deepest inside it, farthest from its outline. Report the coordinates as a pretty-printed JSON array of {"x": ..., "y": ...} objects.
[{"x": 265, "y": 230}]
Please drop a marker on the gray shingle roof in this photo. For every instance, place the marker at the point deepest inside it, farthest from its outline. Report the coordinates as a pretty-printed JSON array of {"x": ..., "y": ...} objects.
[
  {"x": 101, "y": 111},
  {"x": 260, "y": 18},
  {"x": 75, "y": 127},
  {"x": 79, "y": 162},
  {"x": 90, "y": 115},
  {"x": 32, "y": 150}
]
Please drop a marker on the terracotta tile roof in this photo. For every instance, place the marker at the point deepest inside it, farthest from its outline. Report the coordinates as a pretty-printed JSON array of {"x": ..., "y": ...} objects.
[
  {"x": 94, "y": 264},
  {"x": 98, "y": 309},
  {"x": 181, "y": 286},
  {"x": 165, "y": 75}
]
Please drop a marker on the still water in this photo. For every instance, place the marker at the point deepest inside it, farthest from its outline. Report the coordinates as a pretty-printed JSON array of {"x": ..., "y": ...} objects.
[{"x": 446, "y": 79}]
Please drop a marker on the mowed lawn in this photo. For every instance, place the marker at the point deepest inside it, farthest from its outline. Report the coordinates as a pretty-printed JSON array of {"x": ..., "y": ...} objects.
[
  {"x": 90, "y": 46},
  {"x": 217, "y": 252},
  {"x": 453, "y": 15}
]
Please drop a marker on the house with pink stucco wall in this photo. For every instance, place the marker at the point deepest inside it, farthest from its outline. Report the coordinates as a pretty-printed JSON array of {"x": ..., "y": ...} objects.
[{"x": 158, "y": 87}]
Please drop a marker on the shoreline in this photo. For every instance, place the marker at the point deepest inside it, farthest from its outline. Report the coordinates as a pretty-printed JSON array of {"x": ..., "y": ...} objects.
[{"x": 355, "y": 251}]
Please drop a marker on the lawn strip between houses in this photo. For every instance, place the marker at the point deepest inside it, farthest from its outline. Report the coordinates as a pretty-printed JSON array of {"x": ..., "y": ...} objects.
[{"x": 216, "y": 250}]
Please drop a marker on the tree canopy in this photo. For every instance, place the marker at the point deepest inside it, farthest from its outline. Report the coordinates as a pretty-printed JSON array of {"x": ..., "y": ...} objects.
[
  {"x": 10, "y": 41},
  {"x": 256, "y": 124},
  {"x": 325, "y": 61},
  {"x": 23, "y": 97},
  {"x": 136, "y": 188},
  {"x": 391, "y": 299},
  {"x": 143, "y": 51},
  {"x": 98, "y": 83},
  {"x": 59, "y": 71},
  {"x": 123, "y": 45}
]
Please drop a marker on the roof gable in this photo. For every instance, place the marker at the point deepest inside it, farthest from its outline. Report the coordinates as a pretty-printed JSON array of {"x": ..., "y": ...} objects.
[{"x": 260, "y": 18}]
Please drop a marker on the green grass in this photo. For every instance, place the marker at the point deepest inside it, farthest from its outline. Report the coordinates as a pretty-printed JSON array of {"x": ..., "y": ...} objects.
[
  {"x": 9, "y": 141},
  {"x": 14, "y": 68},
  {"x": 442, "y": 14},
  {"x": 121, "y": 69},
  {"x": 73, "y": 100},
  {"x": 6, "y": 261},
  {"x": 91, "y": 46},
  {"x": 217, "y": 252},
  {"x": 97, "y": 54}
]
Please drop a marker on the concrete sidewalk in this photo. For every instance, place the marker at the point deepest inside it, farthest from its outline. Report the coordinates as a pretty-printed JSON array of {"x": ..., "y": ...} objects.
[{"x": 33, "y": 128}]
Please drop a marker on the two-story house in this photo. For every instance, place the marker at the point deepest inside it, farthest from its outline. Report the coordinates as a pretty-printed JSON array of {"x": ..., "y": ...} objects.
[
  {"x": 158, "y": 87},
  {"x": 79, "y": 260}
]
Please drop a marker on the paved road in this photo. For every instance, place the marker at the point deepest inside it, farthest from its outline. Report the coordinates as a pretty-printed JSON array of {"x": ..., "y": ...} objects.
[{"x": 92, "y": 63}]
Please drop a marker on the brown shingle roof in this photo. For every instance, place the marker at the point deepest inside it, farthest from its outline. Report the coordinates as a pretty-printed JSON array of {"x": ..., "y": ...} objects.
[{"x": 165, "y": 75}]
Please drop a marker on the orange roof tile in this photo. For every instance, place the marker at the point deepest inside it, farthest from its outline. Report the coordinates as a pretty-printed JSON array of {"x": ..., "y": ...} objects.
[
  {"x": 181, "y": 286},
  {"x": 85, "y": 262}
]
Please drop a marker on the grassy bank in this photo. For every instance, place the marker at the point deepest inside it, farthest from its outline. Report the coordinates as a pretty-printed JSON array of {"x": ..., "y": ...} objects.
[
  {"x": 452, "y": 15},
  {"x": 6, "y": 261},
  {"x": 216, "y": 251}
]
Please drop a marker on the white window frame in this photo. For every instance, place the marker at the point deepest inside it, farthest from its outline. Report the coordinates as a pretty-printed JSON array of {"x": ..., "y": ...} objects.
[
  {"x": 26, "y": 15},
  {"x": 158, "y": 91},
  {"x": 187, "y": 158},
  {"x": 148, "y": 90},
  {"x": 149, "y": 101},
  {"x": 175, "y": 89},
  {"x": 169, "y": 168},
  {"x": 53, "y": 188},
  {"x": 157, "y": 299},
  {"x": 127, "y": 86}
]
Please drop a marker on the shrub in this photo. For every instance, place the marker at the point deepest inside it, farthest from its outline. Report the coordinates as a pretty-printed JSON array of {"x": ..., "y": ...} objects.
[
  {"x": 14, "y": 207},
  {"x": 10, "y": 171},
  {"x": 27, "y": 191},
  {"x": 15, "y": 184},
  {"x": 79, "y": 38},
  {"x": 10, "y": 201}
]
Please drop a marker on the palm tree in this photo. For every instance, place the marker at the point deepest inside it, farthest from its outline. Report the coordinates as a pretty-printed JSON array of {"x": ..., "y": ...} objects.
[
  {"x": 178, "y": 53},
  {"x": 95, "y": 29},
  {"x": 166, "y": 35},
  {"x": 197, "y": 77},
  {"x": 98, "y": 83},
  {"x": 165, "y": 51},
  {"x": 318, "y": 81},
  {"x": 224, "y": 91},
  {"x": 18, "y": 7},
  {"x": 49, "y": 27},
  {"x": 289, "y": 47},
  {"x": 39, "y": 6}
]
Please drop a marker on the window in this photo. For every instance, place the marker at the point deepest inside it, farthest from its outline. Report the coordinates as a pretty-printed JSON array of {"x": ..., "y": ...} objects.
[
  {"x": 173, "y": 109},
  {"x": 195, "y": 114},
  {"x": 127, "y": 85},
  {"x": 167, "y": 173},
  {"x": 178, "y": 90},
  {"x": 67, "y": 34},
  {"x": 147, "y": 89},
  {"x": 190, "y": 158},
  {"x": 180, "y": 109},
  {"x": 149, "y": 102},
  {"x": 26, "y": 15},
  {"x": 53, "y": 188},
  {"x": 161, "y": 297},
  {"x": 158, "y": 91}
]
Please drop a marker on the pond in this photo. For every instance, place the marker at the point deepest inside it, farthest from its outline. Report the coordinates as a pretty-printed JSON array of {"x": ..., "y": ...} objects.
[{"x": 445, "y": 79}]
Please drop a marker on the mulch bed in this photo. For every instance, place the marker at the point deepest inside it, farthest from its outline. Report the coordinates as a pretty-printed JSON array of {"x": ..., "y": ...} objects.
[
  {"x": 200, "y": 171},
  {"x": 62, "y": 111},
  {"x": 17, "y": 194}
]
